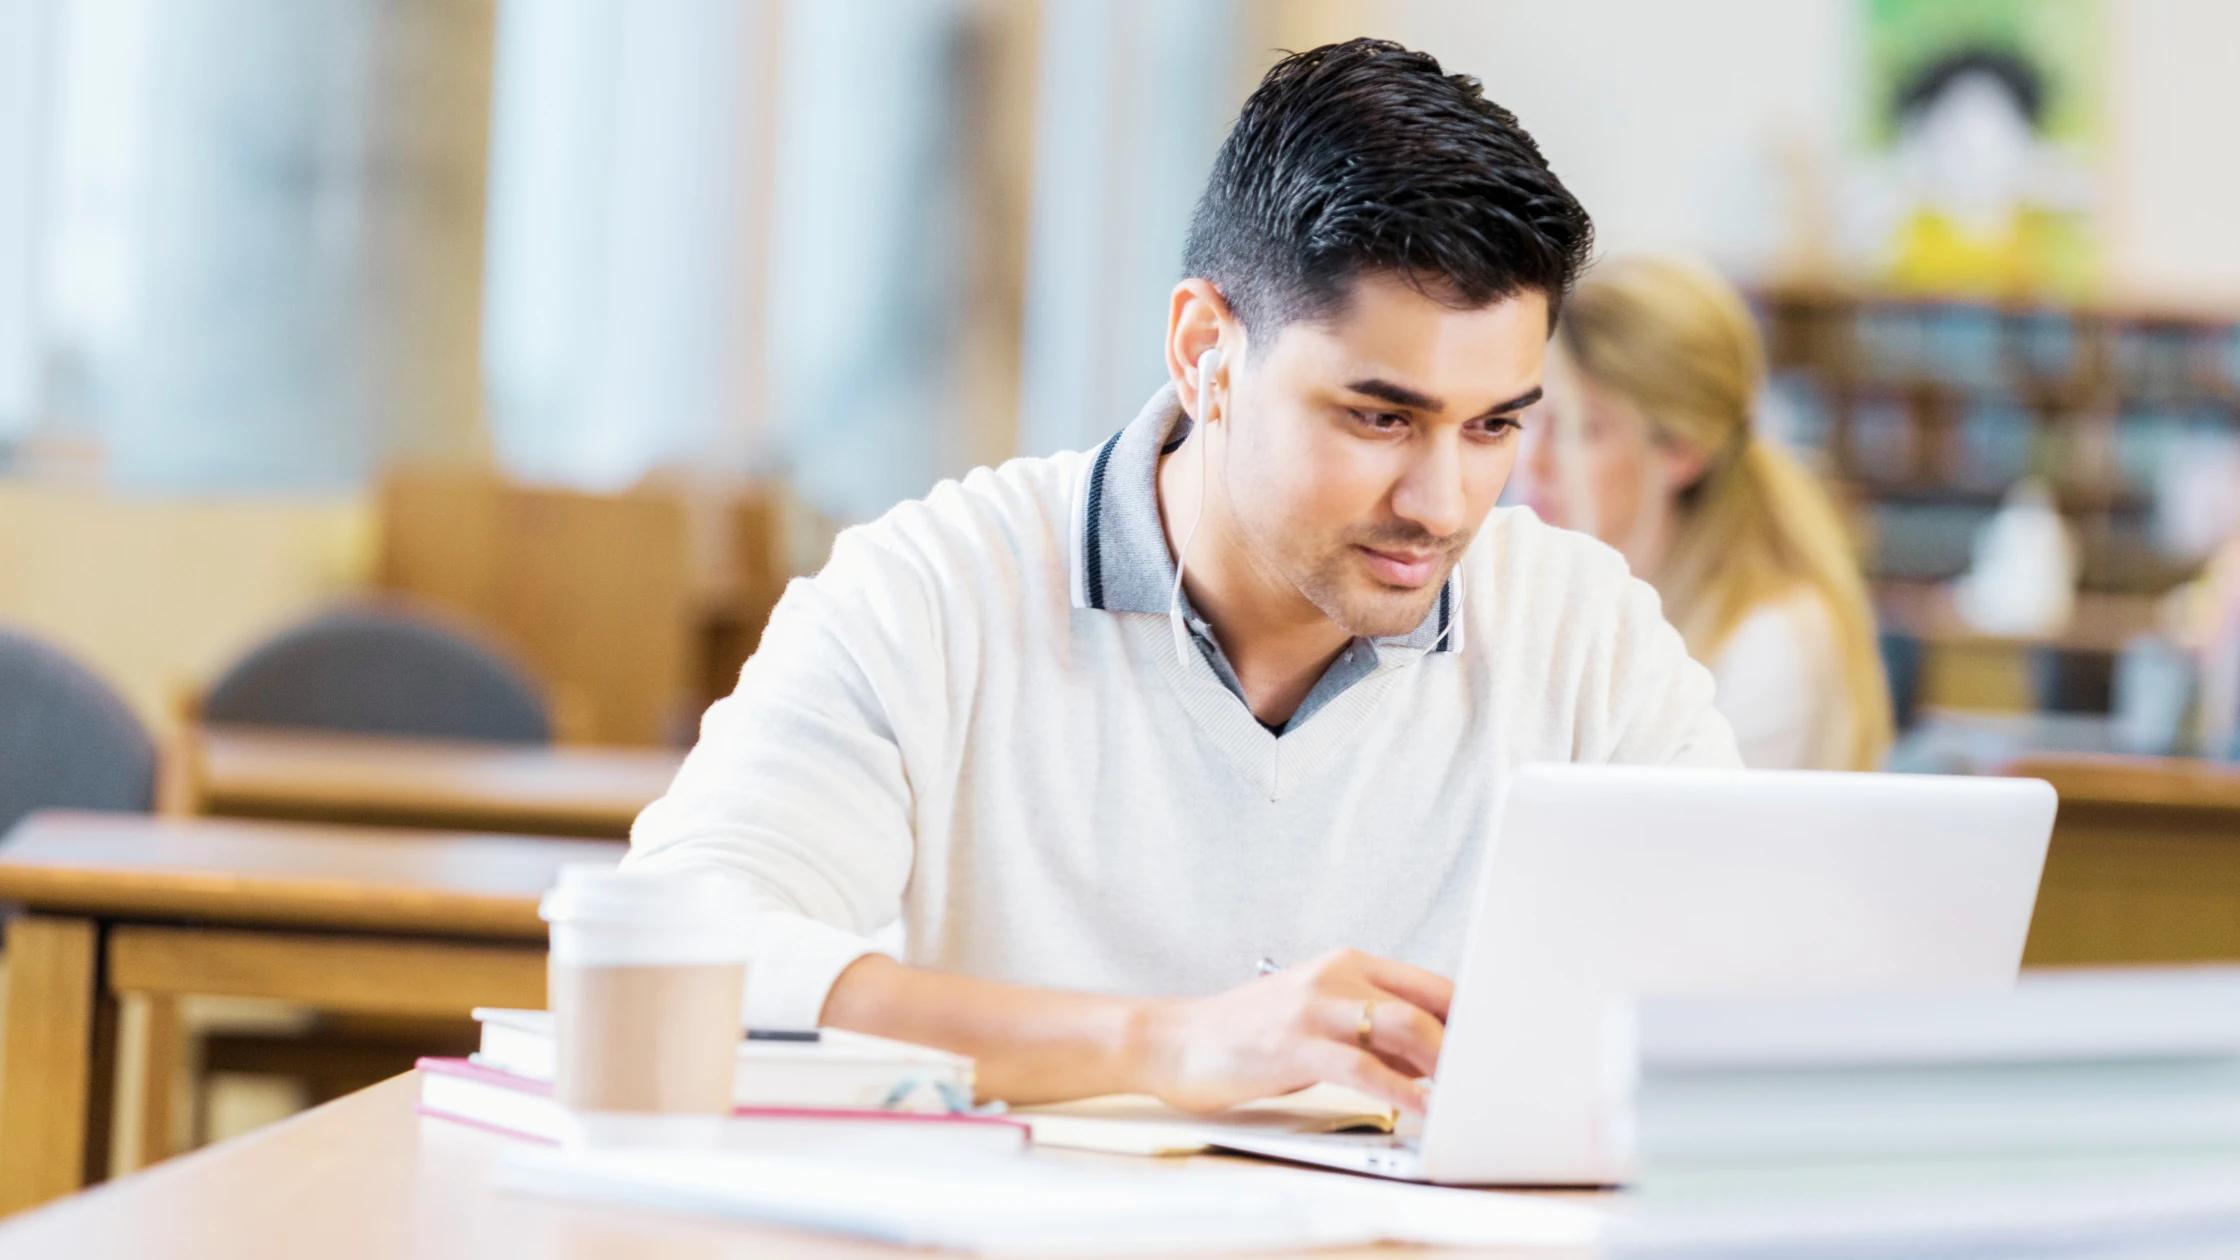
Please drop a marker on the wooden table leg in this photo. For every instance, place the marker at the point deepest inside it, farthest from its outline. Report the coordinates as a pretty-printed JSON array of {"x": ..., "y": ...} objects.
[
  {"x": 154, "y": 1131},
  {"x": 101, "y": 1082},
  {"x": 59, "y": 1042}
]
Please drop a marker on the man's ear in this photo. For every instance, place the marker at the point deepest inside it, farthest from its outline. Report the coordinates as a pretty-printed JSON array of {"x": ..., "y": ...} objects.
[{"x": 1198, "y": 320}]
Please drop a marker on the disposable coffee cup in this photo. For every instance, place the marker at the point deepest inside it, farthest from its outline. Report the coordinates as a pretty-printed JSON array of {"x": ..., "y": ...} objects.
[{"x": 647, "y": 974}]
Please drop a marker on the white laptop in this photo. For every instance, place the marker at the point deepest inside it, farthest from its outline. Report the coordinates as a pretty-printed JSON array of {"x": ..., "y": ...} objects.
[{"x": 1608, "y": 882}]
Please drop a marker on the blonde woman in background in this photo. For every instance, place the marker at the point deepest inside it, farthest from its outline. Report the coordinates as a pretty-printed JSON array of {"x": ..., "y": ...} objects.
[{"x": 1652, "y": 391}]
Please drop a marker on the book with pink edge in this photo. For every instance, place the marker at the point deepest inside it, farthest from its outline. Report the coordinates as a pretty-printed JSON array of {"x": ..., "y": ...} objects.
[{"x": 520, "y": 1107}]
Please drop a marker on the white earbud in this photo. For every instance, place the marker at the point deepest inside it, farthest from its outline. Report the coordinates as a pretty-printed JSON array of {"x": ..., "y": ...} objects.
[{"x": 1208, "y": 364}]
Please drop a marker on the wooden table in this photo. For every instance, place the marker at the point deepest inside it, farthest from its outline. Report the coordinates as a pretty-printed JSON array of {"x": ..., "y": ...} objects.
[
  {"x": 364, "y": 1177},
  {"x": 2102, "y": 621},
  {"x": 1967, "y": 668},
  {"x": 2145, "y": 861},
  {"x": 386, "y": 780},
  {"x": 341, "y": 919}
]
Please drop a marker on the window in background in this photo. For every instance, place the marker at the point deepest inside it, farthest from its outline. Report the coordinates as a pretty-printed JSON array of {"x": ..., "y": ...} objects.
[
  {"x": 1135, "y": 96},
  {"x": 24, "y": 54},
  {"x": 620, "y": 295},
  {"x": 738, "y": 239},
  {"x": 92, "y": 175},
  {"x": 870, "y": 276},
  {"x": 264, "y": 236},
  {"x": 235, "y": 377}
]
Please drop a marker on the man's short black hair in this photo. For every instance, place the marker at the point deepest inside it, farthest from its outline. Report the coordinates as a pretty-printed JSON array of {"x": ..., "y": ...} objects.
[{"x": 1364, "y": 157}]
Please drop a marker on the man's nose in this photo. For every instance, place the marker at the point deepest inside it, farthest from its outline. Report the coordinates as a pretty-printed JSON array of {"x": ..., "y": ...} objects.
[{"x": 1430, "y": 494}]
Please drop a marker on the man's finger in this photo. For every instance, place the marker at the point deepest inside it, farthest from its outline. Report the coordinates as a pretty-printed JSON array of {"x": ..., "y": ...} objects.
[
  {"x": 1344, "y": 1065},
  {"x": 1428, "y": 990},
  {"x": 1409, "y": 1034},
  {"x": 1399, "y": 1033}
]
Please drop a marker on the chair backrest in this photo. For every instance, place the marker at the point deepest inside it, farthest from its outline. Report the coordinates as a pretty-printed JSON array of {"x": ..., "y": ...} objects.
[
  {"x": 66, "y": 740},
  {"x": 380, "y": 670},
  {"x": 595, "y": 591}
]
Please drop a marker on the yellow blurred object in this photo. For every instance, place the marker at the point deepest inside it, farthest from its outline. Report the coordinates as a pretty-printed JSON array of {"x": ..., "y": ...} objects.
[
  {"x": 158, "y": 594},
  {"x": 2029, "y": 253}
]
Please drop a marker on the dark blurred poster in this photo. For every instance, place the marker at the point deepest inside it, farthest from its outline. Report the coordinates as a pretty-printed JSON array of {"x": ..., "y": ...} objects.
[{"x": 1985, "y": 125}]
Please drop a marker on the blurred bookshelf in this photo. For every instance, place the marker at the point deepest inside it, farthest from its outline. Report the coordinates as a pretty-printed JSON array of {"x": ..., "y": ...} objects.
[{"x": 1924, "y": 412}]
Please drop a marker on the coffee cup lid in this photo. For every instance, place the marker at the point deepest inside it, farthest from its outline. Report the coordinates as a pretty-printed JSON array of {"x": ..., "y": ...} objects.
[{"x": 599, "y": 892}]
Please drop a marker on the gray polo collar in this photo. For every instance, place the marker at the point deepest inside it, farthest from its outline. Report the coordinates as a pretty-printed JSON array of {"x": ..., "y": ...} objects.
[{"x": 1119, "y": 550}]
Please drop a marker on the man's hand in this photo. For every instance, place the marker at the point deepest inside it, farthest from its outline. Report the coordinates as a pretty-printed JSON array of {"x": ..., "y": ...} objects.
[
  {"x": 1296, "y": 1028},
  {"x": 1279, "y": 1033}
]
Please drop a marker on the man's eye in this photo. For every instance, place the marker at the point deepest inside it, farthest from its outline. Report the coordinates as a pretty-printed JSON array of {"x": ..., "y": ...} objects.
[
  {"x": 1499, "y": 426},
  {"x": 1382, "y": 421}
]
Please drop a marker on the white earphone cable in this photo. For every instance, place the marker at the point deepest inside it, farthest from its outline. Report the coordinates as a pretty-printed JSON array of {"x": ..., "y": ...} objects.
[{"x": 1208, "y": 363}]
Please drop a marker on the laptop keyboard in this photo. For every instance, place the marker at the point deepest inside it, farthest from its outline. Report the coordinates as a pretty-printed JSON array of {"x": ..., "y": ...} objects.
[{"x": 1368, "y": 1138}]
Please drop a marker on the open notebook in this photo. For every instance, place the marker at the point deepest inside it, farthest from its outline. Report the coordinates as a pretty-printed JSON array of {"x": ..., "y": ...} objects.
[{"x": 1136, "y": 1124}]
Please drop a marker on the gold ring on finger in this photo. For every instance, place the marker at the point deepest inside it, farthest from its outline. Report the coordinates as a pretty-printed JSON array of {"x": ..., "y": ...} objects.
[{"x": 1365, "y": 1032}]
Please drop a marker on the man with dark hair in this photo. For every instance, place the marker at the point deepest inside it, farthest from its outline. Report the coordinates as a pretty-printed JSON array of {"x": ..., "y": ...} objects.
[{"x": 1101, "y": 731}]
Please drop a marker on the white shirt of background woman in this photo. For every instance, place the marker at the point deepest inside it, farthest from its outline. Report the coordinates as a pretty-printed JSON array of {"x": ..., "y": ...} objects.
[{"x": 1781, "y": 689}]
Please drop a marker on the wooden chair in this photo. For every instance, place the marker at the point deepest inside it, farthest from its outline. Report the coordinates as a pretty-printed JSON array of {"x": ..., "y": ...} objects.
[
  {"x": 756, "y": 567},
  {"x": 594, "y": 591},
  {"x": 371, "y": 668},
  {"x": 66, "y": 740},
  {"x": 597, "y": 594}
]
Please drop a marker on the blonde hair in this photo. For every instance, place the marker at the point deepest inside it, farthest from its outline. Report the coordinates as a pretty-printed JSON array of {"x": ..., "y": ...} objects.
[{"x": 1677, "y": 342}]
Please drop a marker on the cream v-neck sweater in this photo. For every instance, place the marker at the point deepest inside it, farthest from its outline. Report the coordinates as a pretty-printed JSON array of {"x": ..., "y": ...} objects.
[{"x": 933, "y": 730}]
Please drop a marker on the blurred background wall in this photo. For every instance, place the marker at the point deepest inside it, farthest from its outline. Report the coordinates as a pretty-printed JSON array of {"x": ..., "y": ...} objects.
[{"x": 259, "y": 258}]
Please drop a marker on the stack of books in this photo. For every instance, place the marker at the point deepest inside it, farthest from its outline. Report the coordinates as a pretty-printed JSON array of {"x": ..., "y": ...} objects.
[
  {"x": 2086, "y": 1112},
  {"x": 785, "y": 1090}
]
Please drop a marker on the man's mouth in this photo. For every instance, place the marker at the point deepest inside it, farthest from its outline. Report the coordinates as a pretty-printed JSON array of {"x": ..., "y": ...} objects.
[{"x": 1401, "y": 568}]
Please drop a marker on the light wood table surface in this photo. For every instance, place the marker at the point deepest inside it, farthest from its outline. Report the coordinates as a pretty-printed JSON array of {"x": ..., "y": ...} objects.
[
  {"x": 364, "y": 1178},
  {"x": 2100, "y": 780},
  {"x": 1967, "y": 668},
  {"x": 354, "y": 920},
  {"x": 387, "y": 780},
  {"x": 2102, "y": 621},
  {"x": 2145, "y": 861}
]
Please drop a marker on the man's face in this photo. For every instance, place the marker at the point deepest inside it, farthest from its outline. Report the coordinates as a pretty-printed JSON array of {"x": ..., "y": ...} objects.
[{"x": 1363, "y": 451}]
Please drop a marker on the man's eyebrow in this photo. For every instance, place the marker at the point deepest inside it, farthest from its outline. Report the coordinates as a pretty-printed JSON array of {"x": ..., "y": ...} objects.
[
  {"x": 1397, "y": 395},
  {"x": 1416, "y": 400},
  {"x": 1519, "y": 403}
]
